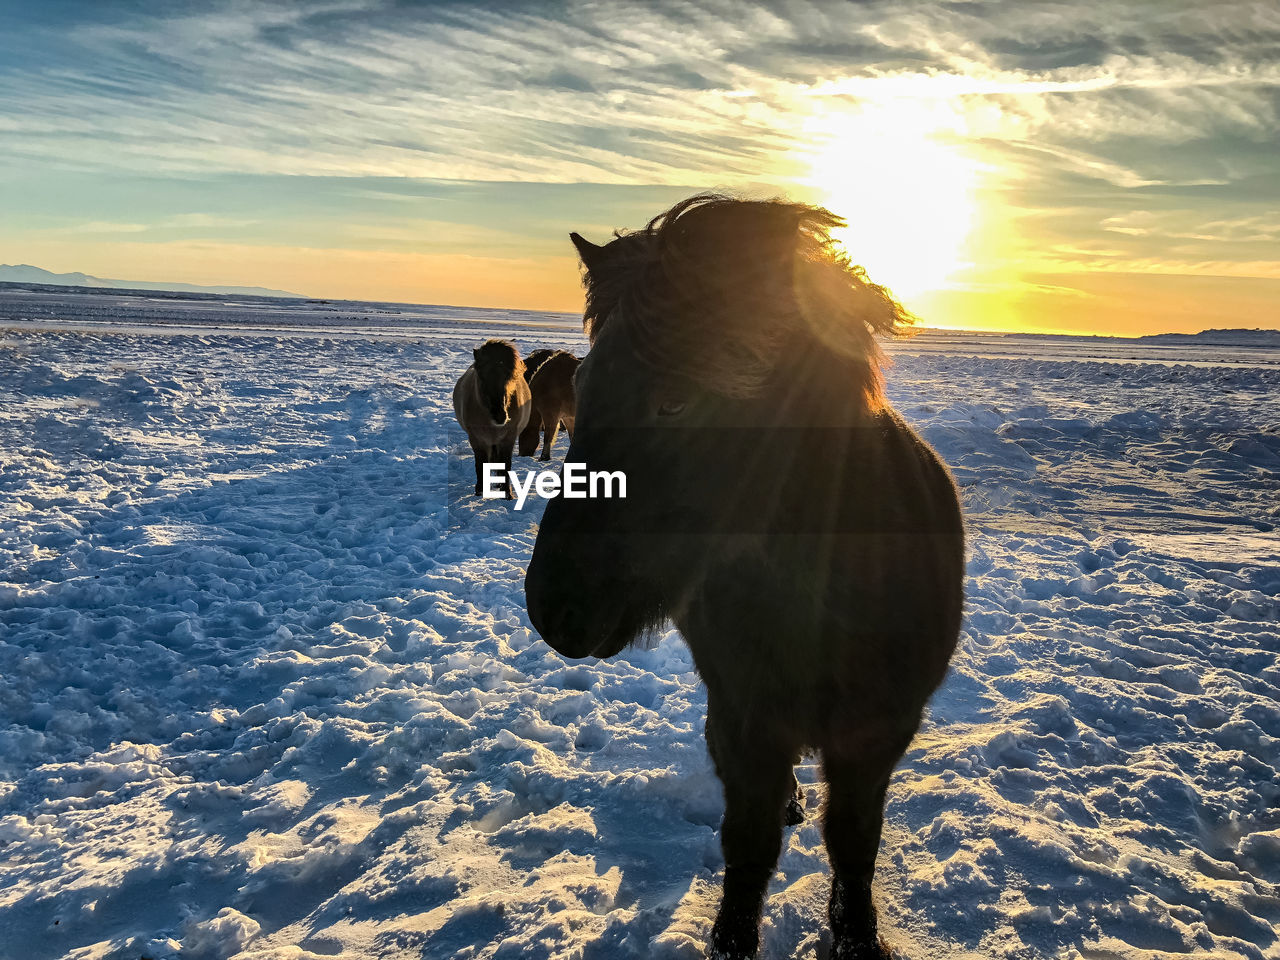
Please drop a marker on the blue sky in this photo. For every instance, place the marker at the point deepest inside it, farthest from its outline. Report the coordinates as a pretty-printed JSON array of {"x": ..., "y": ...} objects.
[{"x": 1096, "y": 166}]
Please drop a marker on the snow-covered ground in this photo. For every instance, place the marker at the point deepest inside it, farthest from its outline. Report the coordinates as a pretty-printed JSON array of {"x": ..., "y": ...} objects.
[{"x": 268, "y": 690}]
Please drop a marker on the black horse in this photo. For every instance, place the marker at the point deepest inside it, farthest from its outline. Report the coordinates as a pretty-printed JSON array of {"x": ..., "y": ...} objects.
[
  {"x": 527, "y": 445},
  {"x": 808, "y": 545}
]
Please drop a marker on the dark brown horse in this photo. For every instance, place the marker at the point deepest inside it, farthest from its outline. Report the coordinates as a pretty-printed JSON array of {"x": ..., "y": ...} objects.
[
  {"x": 808, "y": 545},
  {"x": 491, "y": 401},
  {"x": 553, "y": 397},
  {"x": 532, "y": 432}
]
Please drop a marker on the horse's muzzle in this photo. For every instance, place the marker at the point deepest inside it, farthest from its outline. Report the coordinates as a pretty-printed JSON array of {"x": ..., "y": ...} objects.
[
  {"x": 572, "y": 626},
  {"x": 569, "y": 630}
]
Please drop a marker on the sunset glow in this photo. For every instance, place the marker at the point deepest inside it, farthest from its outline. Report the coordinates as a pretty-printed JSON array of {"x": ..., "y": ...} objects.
[{"x": 906, "y": 187}]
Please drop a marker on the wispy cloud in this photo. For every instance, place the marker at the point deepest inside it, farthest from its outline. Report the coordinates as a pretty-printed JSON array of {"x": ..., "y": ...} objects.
[
  {"x": 181, "y": 221},
  {"x": 1184, "y": 225},
  {"x": 612, "y": 92},
  {"x": 213, "y": 220},
  {"x": 102, "y": 227}
]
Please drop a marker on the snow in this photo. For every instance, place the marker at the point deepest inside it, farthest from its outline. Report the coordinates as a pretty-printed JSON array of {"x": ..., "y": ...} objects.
[{"x": 268, "y": 690}]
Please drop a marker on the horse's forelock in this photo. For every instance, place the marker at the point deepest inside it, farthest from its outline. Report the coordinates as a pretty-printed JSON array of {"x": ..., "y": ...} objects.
[
  {"x": 716, "y": 287},
  {"x": 501, "y": 357}
]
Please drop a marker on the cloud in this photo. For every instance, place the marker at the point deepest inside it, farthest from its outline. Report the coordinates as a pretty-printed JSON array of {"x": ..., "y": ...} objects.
[
  {"x": 102, "y": 226},
  {"x": 1239, "y": 269},
  {"x": 1079, "y": 162},
  {"x": 608, "y": 92},
  {"x": 181, "y": 221},
  {"x": 185, "y": 220},
  {"x": 1188, "y": 225}
]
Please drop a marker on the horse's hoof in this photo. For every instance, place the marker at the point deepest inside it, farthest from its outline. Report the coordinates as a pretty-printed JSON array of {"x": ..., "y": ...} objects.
[
  {"x": 730, "y": 943},
  {"x": 716, "y": 953},
  {"x": 795, "y": 813},
  {"x": 874, "y": 949}
]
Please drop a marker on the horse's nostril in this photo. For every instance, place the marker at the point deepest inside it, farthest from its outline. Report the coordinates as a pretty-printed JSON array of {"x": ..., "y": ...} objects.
[
  {"x": 556, "y": 618},
  {"x": 569, "y": 614},
  {"x": 559, "y": 624}
]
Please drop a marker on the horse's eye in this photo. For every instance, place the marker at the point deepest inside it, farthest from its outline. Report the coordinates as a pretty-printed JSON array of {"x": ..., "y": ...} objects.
[{"x": 670, "y": 408}]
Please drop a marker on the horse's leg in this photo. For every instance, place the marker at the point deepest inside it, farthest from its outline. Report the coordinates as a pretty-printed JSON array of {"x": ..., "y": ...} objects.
[
  {"x": 549, "y": 430},
  {"x": 530, "y": 435},
  {"x": 505, "y": 458},
  {"x": 758, "y": 778},
  {"x": 478, "y": 454},
  {"x": 795, "y": 805},
  {"x": 857, "y": 774}
]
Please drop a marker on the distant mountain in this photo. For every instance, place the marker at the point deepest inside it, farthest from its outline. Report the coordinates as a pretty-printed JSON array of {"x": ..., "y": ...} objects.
[
  {"x": 25, "y": 273},
  {"x": 1209, "y": 338},
  {"x": 1233, "y": 338}
]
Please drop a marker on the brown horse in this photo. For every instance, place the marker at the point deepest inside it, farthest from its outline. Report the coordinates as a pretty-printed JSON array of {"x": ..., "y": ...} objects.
[
  {"x": 492, "y": 402},
  {"x": 530, "y": 435},
  {"x": 553, "y": 397},
  {"x": 808, "y": 545}
]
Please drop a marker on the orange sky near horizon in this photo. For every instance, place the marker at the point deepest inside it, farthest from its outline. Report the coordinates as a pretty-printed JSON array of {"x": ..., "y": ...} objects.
[
  {"x": 523, "y": 283},
  {"x": 1102, "y": 303},
  {"x": 1105, "y": 303}
]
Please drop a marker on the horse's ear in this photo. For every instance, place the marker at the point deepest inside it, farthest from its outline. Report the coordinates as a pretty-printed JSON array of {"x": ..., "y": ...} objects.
[
  {"x": 475, "y": 353},
  {"x": 588, "y": 252}
]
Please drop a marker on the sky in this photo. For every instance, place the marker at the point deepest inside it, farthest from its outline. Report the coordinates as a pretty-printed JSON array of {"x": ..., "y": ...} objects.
[{"x": 1084, "y": 167}]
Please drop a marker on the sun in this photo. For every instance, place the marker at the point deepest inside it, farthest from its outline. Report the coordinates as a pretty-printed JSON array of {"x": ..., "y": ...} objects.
[{"x": 897, "y": 173}]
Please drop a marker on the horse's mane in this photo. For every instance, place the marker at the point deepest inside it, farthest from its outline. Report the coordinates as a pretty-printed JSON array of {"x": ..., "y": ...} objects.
[
  {"x": 719, "y": 288},
  {"x": 562, "y": 361},
  {"x": 500, "y": 356},
  {"x": 534, "y": 360}
]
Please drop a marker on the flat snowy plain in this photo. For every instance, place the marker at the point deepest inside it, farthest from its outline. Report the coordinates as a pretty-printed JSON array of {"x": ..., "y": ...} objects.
[{"x": 268, "y": 690}]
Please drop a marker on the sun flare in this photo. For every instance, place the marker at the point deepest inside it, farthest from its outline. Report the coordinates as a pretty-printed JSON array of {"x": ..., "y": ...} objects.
[{"x": 905, "y": 186}]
